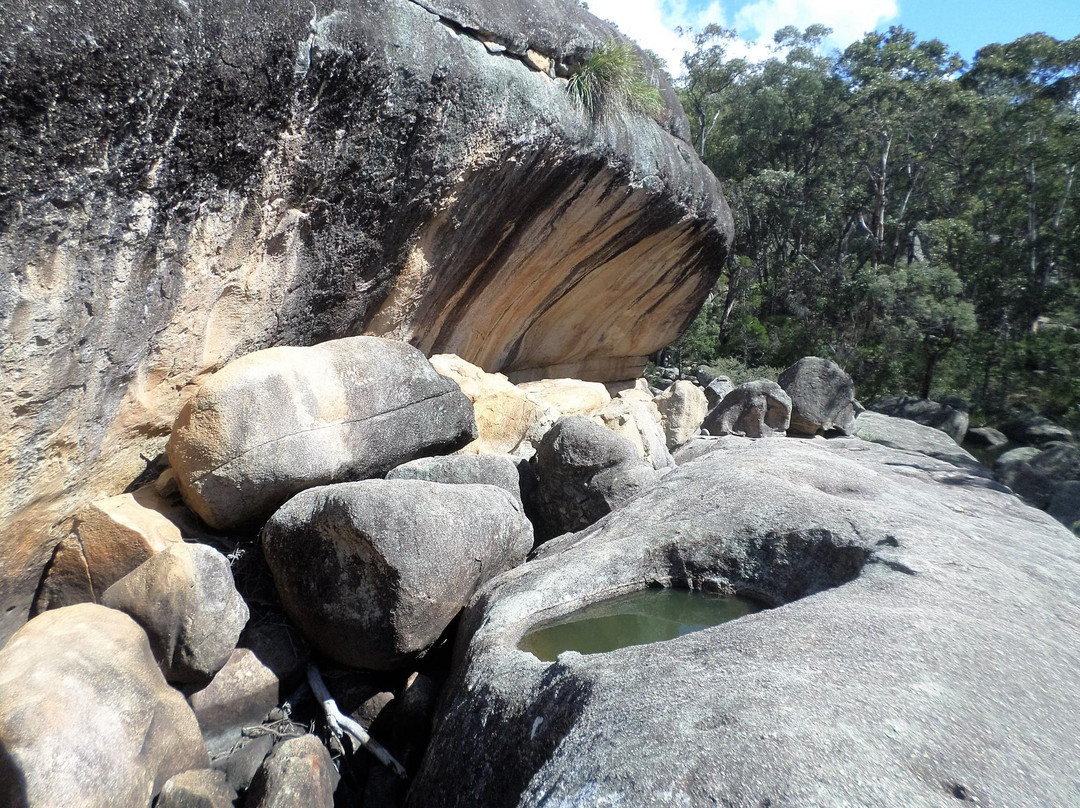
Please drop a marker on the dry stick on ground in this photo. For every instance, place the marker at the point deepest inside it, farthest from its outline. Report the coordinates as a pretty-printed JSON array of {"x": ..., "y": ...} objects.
[{"x": 339, "y": 722}]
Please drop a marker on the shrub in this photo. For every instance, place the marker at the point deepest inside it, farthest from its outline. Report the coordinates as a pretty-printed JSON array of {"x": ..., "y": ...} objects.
[{"x": 613, "y": 77}]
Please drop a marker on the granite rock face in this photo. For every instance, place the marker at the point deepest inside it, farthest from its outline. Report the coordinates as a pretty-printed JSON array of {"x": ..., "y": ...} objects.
[
  {"x": 901, "y": 433},
  {"x": 586, "y": 471},
  {"x": 275, "y": 422},
  {"x": 86, "y": 717},
  {"x": 188, "y": 182},
  {"x": 372, "y": 572},
  {"x": 922, "y": 652}
]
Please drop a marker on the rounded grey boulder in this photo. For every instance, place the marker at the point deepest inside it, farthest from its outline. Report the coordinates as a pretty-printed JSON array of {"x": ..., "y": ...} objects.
[
  {"x": 274, "y": 422},
  {"x": 822, "y": 396},
  {"x": 758, "y": 409},
  {"x": 185, "y": 599},
  {"x": 299, "y": 772},
  {"x": 512, "y": 474},
  {"x": 586, "y": 471},
  {"x": 372, "y": 572}
]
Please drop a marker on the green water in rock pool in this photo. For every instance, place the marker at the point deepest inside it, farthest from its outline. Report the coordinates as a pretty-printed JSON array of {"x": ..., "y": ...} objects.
[{"x": 650, "y": 615}]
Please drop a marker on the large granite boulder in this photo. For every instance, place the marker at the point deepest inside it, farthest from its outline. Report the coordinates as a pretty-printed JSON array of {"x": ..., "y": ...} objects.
[
  {"x": 372, "y": 572},
  {"x": 923, "y": 651},
  {"x": 637, "y": 419},
  {"x": 110, "y": 537},
  {"x": 86, "y": 717},
  {"x": 299, "y": 772},
  {"x": 939, "y": 415},
  {"x": 185, "y": 599},
  {"x": 586, "y": 471},
  {"x": 901, "y": 433},
  {"x": 188, "y": 182},
  {"x": 683, "y": 408},
  {"x": 275, "y": 422},
  {"x": 758, "y": 409},
  {"x": 822, "y": 396}
]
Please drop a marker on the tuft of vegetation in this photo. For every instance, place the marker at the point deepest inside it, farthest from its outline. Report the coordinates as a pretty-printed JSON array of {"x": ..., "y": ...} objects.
[{"x": 613, "y": 77}]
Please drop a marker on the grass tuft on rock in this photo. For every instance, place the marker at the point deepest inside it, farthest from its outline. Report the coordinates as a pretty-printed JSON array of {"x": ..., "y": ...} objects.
[{"x": 613, "y": 77}]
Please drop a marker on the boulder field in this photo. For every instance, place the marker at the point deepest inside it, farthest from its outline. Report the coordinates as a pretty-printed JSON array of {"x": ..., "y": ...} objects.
[
  {"x": 185, "y": 183},
  {"x": 915, "y": 643}
]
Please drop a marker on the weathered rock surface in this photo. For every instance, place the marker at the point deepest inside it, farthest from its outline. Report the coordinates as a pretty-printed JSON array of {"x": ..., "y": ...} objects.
[
  {"x": 717, "y": 389},
  {"x": 110, "y": 538},
  {"x": 758, "y": 409},
  {"x": 939, "y": 415},
  {"x": 512, "y": 474},
  {"x": 185, "y": 599},
  {"x": 901, "y": 433},
  {"x": 508, "y": 419},
  {"x": 86, "y": 717},
  {"x": 568, "y": 396},
  {"x": 257, "y": 677},
  {"x": 639, "y": 422},
  {"x": 198, "y": 788},
  {"x": 299, "y": 772},
  {"x": 372, "y": 572},
  {"x": 924, "y": 652},
  {"x": 187, "y": 183},
  {"x": 986, "y": 436},
  {"x": 822, "y": 396},
  {"x": 1034, "y": 472},
  {"x": 585, "y": 471},
  {"x": 1029, "y": 427},
  {"x": 683, "y": 408},
  {"x": 275, "y": 422}
]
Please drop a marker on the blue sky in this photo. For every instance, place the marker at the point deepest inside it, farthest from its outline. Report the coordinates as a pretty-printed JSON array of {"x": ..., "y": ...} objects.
[{"x": 964, "y": 26}]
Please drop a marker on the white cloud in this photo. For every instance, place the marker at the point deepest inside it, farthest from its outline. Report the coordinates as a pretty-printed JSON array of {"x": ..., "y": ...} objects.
[
  {"x": 652, "y": 23},
  {"x": 849, "y": 19}
]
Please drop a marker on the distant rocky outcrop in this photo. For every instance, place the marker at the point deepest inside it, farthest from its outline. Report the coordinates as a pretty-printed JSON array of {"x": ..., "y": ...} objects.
[
  {"x": 939, "y": 415},
  {"x": 188, "y": 182},
  {"x": 893, "y": 572}
]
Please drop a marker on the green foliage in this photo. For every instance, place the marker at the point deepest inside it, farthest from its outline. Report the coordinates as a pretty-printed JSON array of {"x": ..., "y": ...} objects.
[
  {"x": 913, "y": 218},
  {"x": 613, "y": 77}
]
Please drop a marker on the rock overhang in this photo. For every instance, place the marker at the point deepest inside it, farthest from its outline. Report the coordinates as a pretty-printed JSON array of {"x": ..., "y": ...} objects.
[{"x": 213, "y": 179}]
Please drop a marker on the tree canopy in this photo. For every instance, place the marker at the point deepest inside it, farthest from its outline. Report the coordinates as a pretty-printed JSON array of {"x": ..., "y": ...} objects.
[{"x": 912, "y": 217}]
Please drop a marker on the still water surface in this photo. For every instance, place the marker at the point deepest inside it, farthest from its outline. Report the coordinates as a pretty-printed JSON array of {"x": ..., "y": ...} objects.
[{"x": 650, "y": 615}]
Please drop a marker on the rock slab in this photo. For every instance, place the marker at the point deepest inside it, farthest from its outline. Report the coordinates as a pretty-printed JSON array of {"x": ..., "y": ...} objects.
[
  {"x": 372, "y": 572},
  {"x": 923, "y": 652},
  {"x": 277, "y": 421}
]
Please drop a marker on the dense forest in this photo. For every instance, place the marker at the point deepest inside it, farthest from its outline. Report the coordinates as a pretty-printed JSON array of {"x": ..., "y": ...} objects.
[{"x": 908, "y": 215}]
